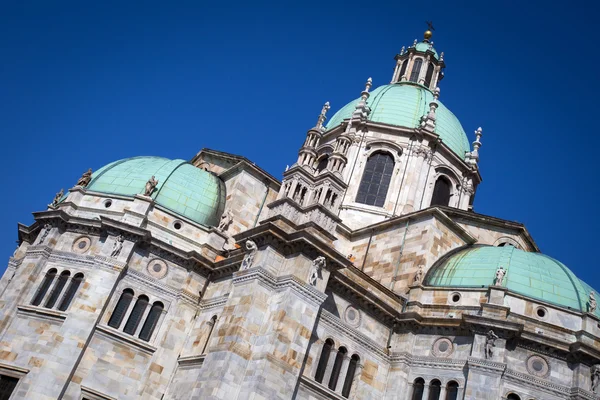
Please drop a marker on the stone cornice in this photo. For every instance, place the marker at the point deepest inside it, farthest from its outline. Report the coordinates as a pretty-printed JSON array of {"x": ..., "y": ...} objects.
[
  {"x": 215, "y": 302},
  {"x": 280, "y": 283},
  {"x": 43, "y": 313},
  {"x": 191, "y": 361},
  {"x": 421, "y": 361},
  {"x": 481, "y": 325},
  {"x": 529, "y": 380},
  {"x": 119, "y": 336},
  {"x": 485, "y": 365}
]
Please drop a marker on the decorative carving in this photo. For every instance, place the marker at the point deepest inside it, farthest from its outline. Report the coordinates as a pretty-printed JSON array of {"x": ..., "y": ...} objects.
[
  {"x": 85, "y": 178},
  {"x": 81, "y": 244},
  {"x": 418, "y": 275},
  {"x": 595, "y": 375},
  {"x": 490, "y": 343},
  {"x": 315, "y": 270},
  {"x": 500, "y": 272},
  {"x": 352, "y": 316},
  {"x": 592, "y": 301},
  {"x": 442, "y": 347},
  {"x": 45, "y": 232},
  {"x": 57, "y": 198},
  {"x": 251, "y": 250},
  {"x": 226, "y": 220},
  {"x": 117, "y": 246},
  {"x": 157, "y": 268},
  {"x": 538, "y": 366},
  {"x": 150, "y": 186}
]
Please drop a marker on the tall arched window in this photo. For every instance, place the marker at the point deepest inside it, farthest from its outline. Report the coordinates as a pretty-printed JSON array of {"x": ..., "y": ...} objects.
[
  {"x": 43, "y": 289},
  {"x": 136, "y": 315},
  {"x": 151, "y": 321},
  {"x": 323, "y": 360},
  {"x": 70, "y": 293},
  {"x": 416, "y": 69},
  {"x": 122, "y": 306},
  {"x": 435, "y": 388},
  {"x": 323, "y": 162},
  {"x": 376, "y": 179},
  {"x": 418, "y": 389},
  {"x": 429, "y": 74},
  {"x": 513, "y": 396},
  {"x": 441, "y": 192},
  {"x": 337, "y": 368},
  {"x": 58, "y": 287},
  {"x": 403, "y": 69},
  {"x": 350, "y": 375},
  {"x": 452, "y": 390},
  {"x": 211, "y": 327}
]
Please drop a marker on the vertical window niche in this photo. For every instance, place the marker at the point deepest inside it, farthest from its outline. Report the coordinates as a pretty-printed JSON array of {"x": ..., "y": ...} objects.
[{"x": 376, "y": 179}]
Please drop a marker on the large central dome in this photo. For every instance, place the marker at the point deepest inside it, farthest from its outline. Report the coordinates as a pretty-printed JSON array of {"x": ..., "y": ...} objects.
[{"x": 404, "y": 104}]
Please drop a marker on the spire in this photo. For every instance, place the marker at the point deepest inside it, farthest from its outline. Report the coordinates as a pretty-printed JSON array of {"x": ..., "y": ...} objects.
[
  {"x": 362, "y": 110},
  {"x": 428, "y": 120},
  {"x": 472, "y": 157},
  {"x": 322, "y": 116},
  {"x": 402, "y": 50}
]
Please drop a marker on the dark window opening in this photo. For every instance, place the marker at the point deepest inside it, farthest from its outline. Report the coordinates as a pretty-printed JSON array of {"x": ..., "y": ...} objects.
[
  {"x": 337, "y": 368},
  {"x": 43, "y": 289},
  {"x": 151, "y": 321},
  {"x": 7, "y": 386},
  {"x": 350, "y": 375},
  {"x": 376, "y": 179},
  {"x": 429, "y": 75},
  {"x": 452, "y": 391},
  {"x": 322, "y": 163},
  {"x": 418, "y": 389},
  {"x": 441, "y": 192},
  {"x": 403, "y": 69},
  {"x": 122, "y": 306},
  {"x": 513, "y": 396},
  {"x": 416, "y": 69},
  {"x": 136, "y": 315},
  {"x": 323, "y": 360},
  {"x": 58, "y": 287},
  {"x": 70, "y": 293},
  {"x": 435, "y": 388}
]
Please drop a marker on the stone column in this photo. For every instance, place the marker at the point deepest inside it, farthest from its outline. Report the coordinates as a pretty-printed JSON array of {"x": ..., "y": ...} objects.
[
  {"x": 343, "y": 373},
  {"x": 442, "y": 393},
  {"x": 425, "y": 392},
  {"x": 329, "y": 368}
]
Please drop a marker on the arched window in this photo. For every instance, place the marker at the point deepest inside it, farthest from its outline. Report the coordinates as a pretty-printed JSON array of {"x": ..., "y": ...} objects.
[
  {"x": 441, "y": 192},
  {"x": 211, "y": 327},
  {"x": 418, "y": 389},
  {"x": 513, "y": 396},
  {"x": 151, "y": 321},
  {"x": 376, "y": 179},
  {"x": 136, "y": 315},
  {"x": 452, "y": 390},
  {"x": 435, "y": 388},
  {"x": 323, "y": 360},
  {"x": 350, "y": 375},
  {"x": 70, "y": 293},
  {"x": 43, "y": 289},
  {"x": 403, "y": 69},
  {"x": 323, "y": 163},
  {"x": 122, "y": 306},
  {"x": 337, "y": 368},
  {"x": 429, "y": 74},
  {"x": 414, "y": 73},
  {"x": 58, "y": 287}
]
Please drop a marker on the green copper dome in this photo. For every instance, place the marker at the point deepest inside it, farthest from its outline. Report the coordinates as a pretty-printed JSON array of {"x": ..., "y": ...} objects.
[
  {"x": 403, "y": 104},
  {"x": 531, "y": 274},
  {"x": 182, "y": 188}
]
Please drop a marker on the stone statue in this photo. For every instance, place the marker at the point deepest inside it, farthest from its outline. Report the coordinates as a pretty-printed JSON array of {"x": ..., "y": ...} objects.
[
  {"x": 85, "y": 178},
  {"x": 490, "y": 343},
  {"x": 419, "y": 275},
  {"x": 595, "y": 375},
  {"x": 47, "y": 229},
  {"x": 315, "y": 270},
  {"x": 592, "y": 301},
  {"x": 226, "y": 219},
  {"x": 57, "y": 198},
  {"x": 117, "y": 246},
  {"x": 251, "y": 250},
  {"x": 500, "y": 272},
  {"x": 150, "y": 186}
]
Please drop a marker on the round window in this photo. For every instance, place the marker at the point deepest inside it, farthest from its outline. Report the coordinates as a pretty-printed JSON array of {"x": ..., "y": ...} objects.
[
  {"x": 157, "y": 268},
  {"x": 81, "y": 244},
  {"x": 538, "y": 366},
  {"x": 442, "y": 347}
]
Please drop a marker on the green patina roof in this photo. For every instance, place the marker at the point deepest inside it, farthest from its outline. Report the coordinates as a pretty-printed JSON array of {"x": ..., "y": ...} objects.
[
  {"x": 182, "y": 188},
  {"x": 531, "y": 274},
  {"x": 424, "y": 46},
  {"x": 404, "y": 104}
]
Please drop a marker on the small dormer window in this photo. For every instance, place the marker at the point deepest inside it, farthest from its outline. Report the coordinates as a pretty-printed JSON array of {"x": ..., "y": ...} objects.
[
  {"x": 429, "y": 75},
  {"x": 416, "y": 69},
  {"x": 403, "y": 69}
]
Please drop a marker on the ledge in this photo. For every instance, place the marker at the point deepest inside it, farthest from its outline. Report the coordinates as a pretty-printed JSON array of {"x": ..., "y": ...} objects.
[
  {"x": 126, "y": 339},
  {"x": 320, "y": 388},
  {"x": 46, "y": 313},
  {"x": 191, "y": 361},
  {"x": 94, "y": 394}
]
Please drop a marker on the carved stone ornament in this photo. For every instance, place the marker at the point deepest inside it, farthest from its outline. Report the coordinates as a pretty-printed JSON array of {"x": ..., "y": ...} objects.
[
  {"x": 81, "y": 244},
  {"x": 251, "y": 250},
  {"x": 117, "y": 246},
  {"x": 352, "y": 316},
  {"x": 500, "y": 272},
  {"x": 418, "y": 275},
  {"x": 538, "y": 366},
  {"x": 45, "y": 232},
  {"x": 595, "y": 377},
  {"x": 315, "y": 271},
  {"x": 592, "y": 302},
  {"x": 85, "y": 178},
  {"x": 490, "y": 343},
  {"x": 157, "y": 268},
  {"x": 442, "y": 347},
  {"x": 150, "y": 186},
  {"x": 57, "y": 198},
  {"x": 226, "y": 220}
]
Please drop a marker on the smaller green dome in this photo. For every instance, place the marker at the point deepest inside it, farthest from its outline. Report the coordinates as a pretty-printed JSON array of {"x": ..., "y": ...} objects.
[
  {"x": 533, "y": 275},
  {"x": 182, "y": 188},
  {"x": 424, "y": 46}
]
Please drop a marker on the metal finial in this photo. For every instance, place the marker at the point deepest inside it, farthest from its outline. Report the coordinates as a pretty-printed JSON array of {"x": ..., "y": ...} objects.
[
  {"x": 322, "y": 116},
  {"x": 368, "y": 85},
  {"x": 430, "y": 25}
]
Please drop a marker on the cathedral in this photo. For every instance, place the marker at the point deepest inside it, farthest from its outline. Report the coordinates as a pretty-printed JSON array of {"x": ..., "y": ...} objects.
[{"x": 364, "y": 274}]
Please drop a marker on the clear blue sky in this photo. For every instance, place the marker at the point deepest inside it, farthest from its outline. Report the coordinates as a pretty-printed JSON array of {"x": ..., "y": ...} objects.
[{"x": 86, "y": 83}]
